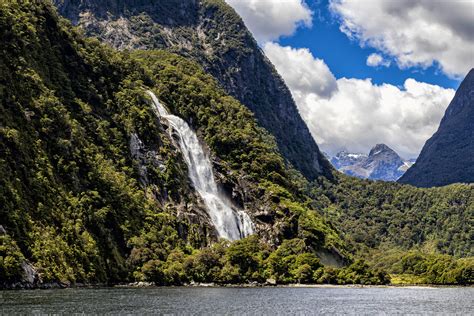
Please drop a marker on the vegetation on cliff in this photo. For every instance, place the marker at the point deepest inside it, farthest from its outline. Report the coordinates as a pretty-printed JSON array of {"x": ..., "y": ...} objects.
[
  {"x": 74, "y": 203},
  {"x": 211, "y": 33},
  {"x": 447, "y": 157}
]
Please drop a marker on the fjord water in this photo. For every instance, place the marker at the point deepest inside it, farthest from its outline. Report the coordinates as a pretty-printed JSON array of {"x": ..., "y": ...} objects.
[
  {"x": 238, "y": 301},
  {"x": 229, "y": 224}
]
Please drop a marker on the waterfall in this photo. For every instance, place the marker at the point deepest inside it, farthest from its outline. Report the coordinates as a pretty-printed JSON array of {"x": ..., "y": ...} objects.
[{"x": 229, "y": 224}]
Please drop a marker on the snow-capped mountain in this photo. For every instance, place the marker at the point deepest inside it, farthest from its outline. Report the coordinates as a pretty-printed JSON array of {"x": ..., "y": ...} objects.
[
  {"x": 382, "y": 163},
  {"x": 344, "y": 159}
]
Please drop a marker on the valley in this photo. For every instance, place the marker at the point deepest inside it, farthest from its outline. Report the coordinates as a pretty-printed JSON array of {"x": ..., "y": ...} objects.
[{"x": 181, "y": 158}]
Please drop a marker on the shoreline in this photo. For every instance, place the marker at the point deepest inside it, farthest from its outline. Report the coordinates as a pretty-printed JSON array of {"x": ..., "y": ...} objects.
[{"x": 150, "y": 285}]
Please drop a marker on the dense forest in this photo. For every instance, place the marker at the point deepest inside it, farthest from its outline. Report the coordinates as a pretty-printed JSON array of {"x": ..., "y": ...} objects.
[
  {"x": 389, "y": 225},
  {"x": 73, "y": 203},
  {"x": 76, "y": 206}
]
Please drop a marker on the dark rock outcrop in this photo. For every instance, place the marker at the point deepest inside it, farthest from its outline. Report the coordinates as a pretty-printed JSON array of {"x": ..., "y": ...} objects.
[
  {"x": 210, "y": 32},
  {"x": 448, "y": 156}
]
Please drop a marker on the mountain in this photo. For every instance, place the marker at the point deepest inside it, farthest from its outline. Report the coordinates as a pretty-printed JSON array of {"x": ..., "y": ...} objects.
[
  {"x": 96, "y": 185},
  {"x": 120, "y": 166},
  {"x": 345, "y": 159},
  {"x": 382, "y": 163},
  {"x": 448, "y": 156},
  {"x": 211, "y": 33}
]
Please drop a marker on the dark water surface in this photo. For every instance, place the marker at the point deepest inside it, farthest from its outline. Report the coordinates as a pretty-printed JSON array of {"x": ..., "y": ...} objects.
[{"x": 238, "y": 301}]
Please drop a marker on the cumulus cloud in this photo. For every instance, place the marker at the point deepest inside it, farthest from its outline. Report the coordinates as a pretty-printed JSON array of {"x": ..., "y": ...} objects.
[
  {"x": 270, "y": 19},
  {"x": 356, "y": 114},
  {"x": 415, "y": 32},
  {"x": 375, "y": 60},
  {"x": 298, "y": 67}
]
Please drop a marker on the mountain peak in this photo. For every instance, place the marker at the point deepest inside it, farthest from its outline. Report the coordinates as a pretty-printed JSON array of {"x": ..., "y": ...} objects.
[
  {"x": 381, "y": 148},
  {"x": 382, "y": 163}
]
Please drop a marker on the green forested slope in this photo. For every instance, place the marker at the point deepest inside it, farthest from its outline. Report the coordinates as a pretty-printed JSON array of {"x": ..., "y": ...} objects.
[
  {"x": 72, "y": 201},
  {"x": 69, "y": 195},
  {"x": 75, "y": 206},
  {"x": 404, "y": 229},
  {"x": 211, "y": 33},
  {"x": 375, "y": 213}
]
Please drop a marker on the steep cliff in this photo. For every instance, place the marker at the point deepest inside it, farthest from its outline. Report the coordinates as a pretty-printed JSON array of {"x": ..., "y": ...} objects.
[
  {"x": 92, "y": 186},
  {"x": 448, "y": 156},
  {"x": 210, "y": 32}
]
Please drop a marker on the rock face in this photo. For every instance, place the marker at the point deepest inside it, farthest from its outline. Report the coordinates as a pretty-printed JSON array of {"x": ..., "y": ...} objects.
[
  {"x": 210, "y": 32},
  {"x": 448, "y": 156},
  {"x": 382, "y": 163}
]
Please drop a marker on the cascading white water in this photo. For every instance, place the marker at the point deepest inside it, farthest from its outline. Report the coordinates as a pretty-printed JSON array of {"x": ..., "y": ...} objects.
[{"x": 228, "y": 223}]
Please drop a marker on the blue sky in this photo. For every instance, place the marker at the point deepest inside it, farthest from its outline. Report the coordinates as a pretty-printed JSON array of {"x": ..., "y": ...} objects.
[
  {"x": 364, "y": 72},
  {"x": 346, "y": 57}
]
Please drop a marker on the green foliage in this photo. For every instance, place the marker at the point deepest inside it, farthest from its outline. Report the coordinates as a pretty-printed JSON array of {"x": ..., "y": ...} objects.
[
  {"x": 435, "y": 269},
  {"x": 69, "y": 190},
  {"x": 360, "y": 273},
  {"x": 73, "y": 198},
  {"x": 246, "y": 256},
  {"x": 11, "y": 260},
  {"x": 384, "y": 222},
  {"x": 282, "y": 263},
  {"x": 376, "y": 213},
  {"x": 249, "y": 260}
]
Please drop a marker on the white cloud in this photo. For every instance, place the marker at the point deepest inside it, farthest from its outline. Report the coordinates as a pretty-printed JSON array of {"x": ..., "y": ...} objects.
[
  {"x": 415, "y": 32},
  {"x": 357, "y": 114},
  {"x": 375, "y": 60},
  {"x": 299, "y": 69},
  {"x": 270, "y": 19}
]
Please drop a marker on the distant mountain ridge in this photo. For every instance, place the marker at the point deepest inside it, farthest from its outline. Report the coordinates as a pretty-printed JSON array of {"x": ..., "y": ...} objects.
[
  {"x": 211, "y": 33},
  {"x": 345, "y": 159},
  {"x": 382, "y": 163},
  {"x": 448, "y": 156}
]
